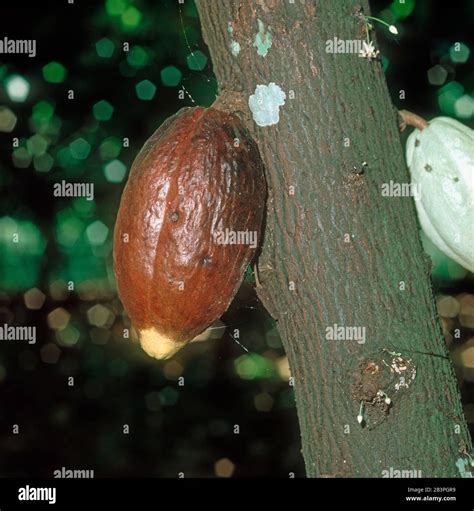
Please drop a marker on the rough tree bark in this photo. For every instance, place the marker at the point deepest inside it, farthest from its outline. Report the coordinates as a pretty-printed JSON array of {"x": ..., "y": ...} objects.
[{"x": 335, "y": 250}]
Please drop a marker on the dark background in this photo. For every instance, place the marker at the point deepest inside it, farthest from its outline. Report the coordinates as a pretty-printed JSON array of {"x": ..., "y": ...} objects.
[{"x": 173, "y": 428}]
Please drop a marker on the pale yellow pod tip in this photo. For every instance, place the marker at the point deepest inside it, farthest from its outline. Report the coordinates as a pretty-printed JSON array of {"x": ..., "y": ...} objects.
[{"x": 158, "y": 345}]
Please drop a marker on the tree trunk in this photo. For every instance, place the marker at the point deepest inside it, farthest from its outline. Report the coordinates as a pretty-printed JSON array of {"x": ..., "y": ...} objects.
[{"x": 336, "y": 251}]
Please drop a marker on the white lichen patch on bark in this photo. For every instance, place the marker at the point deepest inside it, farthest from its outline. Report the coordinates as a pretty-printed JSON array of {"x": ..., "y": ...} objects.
[
  {"x": 263, "y": 40},
  {"x": 265, "y": 104},
  {"x": 234, "y": 45}
]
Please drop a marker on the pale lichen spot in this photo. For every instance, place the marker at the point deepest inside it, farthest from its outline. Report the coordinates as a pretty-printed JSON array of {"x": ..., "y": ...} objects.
[
  {"x": 263, "y": 40},
  {"x": 265, "y": 104},
  {"x": 462, "y": 465},
  {"x": 234, "y": 45},
  {"x": 235, "y": 48}
]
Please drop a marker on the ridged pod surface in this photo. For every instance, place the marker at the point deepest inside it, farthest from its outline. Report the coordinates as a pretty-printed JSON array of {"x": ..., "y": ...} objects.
[
  {"x": 198, "y": 177},
  {"x": 441, "y": 162}
]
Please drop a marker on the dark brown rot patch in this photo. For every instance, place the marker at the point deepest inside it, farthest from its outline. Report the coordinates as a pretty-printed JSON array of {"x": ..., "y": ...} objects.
[
  {"x": 378, "y": 384},
  {"x": 368, "y": 389},
  {"x": 367, "y": 381}
]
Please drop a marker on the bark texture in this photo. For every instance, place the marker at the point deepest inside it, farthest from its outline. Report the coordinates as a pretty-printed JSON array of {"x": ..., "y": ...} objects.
[{"x": 335, "y": 250}]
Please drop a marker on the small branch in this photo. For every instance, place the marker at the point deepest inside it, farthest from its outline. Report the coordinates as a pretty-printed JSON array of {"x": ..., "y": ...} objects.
[{"x": 411, "y": 119}]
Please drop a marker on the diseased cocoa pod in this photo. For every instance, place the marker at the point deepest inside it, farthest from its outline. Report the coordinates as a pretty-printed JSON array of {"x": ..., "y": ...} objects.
[{"x": 197, "y": 179}]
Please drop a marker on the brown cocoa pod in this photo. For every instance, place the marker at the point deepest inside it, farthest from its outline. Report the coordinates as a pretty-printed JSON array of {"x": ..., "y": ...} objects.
[{"x": 198, "y": 178}]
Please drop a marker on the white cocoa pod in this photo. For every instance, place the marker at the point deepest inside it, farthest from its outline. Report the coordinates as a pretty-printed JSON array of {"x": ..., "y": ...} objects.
[{"x": 441, "y": 161}]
